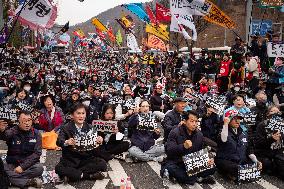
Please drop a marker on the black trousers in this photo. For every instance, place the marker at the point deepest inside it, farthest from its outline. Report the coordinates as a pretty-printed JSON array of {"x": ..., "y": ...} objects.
[
  {"x": 107, "y": 151},
  {"x": 89, "y": 166}
]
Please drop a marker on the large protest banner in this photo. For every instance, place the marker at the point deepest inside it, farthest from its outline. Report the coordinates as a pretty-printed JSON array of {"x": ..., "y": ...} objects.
[
  {"x": 275, "y": 49},
  {"x": 105, "y": 126},
  {"x": 86, "y": 141},
  {"x": 218, "y": 17},
  {"x": 271, "y": 3},
  {"x": 147, "y": 122},
  {"x": 248, "y": 173},
  {"x": 156, "y": 43},
  {"x": 196, "y": 162},
  {"x": 38, "y": 14}
]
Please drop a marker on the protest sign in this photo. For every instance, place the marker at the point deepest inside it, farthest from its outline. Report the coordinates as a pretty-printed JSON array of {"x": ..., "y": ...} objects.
[
  {"x": 276, "y": 123},
  {"x": 249, "y": 119},
  {"x": 23, "y": 106},
  {"x": 35, "y": 114},
  {"x": 86, "y": 141},
  {"x": 129, "y": 104},
  {"x": 147, "y": 122},
  {"x": 271, "y": 3},
  {"x": 196, "y": 162},
  {"x": 105, "y": 126},
  {"x": 4, "y": 72},
  {"x": 275, "y": 49},
  {"x": 8, "y": 114},
  {"x": 115, "y": 100},
  {"x": 50, "y": 77},
  {"x": 217, "y": 105},
  {"x": 248, "y": 173}
]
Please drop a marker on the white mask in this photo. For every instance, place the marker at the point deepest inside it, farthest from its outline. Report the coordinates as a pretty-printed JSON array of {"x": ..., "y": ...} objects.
[
  {"x": 86, "y": 103},
  {"x": 27, "y": 88}
]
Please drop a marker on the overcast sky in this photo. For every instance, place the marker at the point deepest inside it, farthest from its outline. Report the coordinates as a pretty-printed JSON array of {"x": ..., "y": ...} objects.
[{"x": 76, "y": 11}]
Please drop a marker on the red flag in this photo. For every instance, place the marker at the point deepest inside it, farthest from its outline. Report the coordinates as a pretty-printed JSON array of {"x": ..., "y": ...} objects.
[
  {"x": 110, "y": 34},
  {"x": 100, "y": 34},
  {"x": 163, "y": 13},
  {"x": 151, "y": 15}
]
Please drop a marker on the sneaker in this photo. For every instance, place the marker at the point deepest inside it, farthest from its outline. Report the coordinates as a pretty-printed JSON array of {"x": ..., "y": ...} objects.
[
  {"x": 206, "y": 180},
  {"x": 35, "y": 182},
  {"x": 97, "y": 176},
  {"x": 159, "y": 159}
]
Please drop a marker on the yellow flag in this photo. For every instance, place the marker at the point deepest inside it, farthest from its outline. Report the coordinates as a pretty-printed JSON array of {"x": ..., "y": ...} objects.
[
  {"x": 99, "y": 25},
  {"x": 127, "y": 22},
  {"x": 218, "y": 17},
  {"x": 159, "y": 31}
]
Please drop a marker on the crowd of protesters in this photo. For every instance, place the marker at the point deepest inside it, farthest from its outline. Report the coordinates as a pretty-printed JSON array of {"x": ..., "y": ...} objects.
[{"x": 68, "y": 92}]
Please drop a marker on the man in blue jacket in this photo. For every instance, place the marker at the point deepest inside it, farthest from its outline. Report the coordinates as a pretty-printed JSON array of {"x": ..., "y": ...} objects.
[
  {"x": 183, "y": 140},
  {"x": 24, "y": 151}
]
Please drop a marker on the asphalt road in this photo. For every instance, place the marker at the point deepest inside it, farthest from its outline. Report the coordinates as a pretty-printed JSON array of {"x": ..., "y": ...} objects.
[{"x": 143, "y": 176}]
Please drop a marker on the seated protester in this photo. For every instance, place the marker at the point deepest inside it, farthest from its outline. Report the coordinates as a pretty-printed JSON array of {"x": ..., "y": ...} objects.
[
  {"x": 24, "y": 151},
  {"x": 75, "y": 164},
  {"x": 210, "y": 124},
  {"x": 239, "y": 105},
  {"x": 21, "y": 96},
  {"x": 143, "y": 140},
  {"x": 233, "y": 149},
  {"x": 51, "y": 117},
  {"x": 157, "y": 102},
  {"x": 113, "y": 144},
  {"x": 269, "y": 146},
  {"x": 184, "y": 140},
  {"x": 75, "y": 98},
  {"x": 173, "y": 117}
]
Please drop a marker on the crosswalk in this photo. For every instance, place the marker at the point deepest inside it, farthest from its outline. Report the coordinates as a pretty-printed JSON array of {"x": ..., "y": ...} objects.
[{"x": 118, "y": 169}]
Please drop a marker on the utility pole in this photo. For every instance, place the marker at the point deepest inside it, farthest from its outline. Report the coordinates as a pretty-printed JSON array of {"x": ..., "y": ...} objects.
[{"x": 248, "y": 19}]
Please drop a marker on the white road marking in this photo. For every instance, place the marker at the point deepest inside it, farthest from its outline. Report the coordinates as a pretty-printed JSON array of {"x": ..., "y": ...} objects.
[
  {"x": 63, "y": 186},
  {"x": 43, "y": 156},
  {"x": 157, "y": 167},
  {"x": 117, "y": 173},
  {"x": 266, "y": 184},
  {"x": 100, "y": 184}
]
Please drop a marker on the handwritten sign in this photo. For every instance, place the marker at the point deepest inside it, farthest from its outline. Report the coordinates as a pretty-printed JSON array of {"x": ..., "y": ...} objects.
[{"x": 105, "y": 126}]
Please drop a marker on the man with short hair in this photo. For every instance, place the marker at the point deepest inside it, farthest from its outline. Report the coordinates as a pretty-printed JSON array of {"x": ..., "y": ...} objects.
[
  {"x": 24, "y": 151},
  {"x": 173, "y": 117}
]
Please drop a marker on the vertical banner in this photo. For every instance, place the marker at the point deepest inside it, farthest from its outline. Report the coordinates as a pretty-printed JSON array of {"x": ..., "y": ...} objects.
[{"x": 132, "y": 43}]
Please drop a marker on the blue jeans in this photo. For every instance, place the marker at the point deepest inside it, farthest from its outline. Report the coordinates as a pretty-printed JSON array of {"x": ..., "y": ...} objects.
[{"x": 178, "y": 172}]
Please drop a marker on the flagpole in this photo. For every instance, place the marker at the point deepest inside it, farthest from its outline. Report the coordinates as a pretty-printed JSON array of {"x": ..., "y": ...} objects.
[{"x": 14, "y": 24}]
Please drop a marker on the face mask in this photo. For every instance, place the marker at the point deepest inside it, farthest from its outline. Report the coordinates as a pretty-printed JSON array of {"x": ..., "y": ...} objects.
[
  {"x": 27, "y": 88},
  {"x": 86, "y": 103}
]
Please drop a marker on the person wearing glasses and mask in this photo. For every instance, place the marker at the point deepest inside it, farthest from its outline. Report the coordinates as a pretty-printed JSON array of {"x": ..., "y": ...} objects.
[
  {"x": 143, "y": 138},
  {"x": 24, "y": 151}
]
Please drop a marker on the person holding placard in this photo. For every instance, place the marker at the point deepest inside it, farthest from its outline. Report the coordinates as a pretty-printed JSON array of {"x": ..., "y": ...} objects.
[
  {"x": 24, "y": 151},
  {"x": 78, "y": 141},
  {"x": 113, "y": 142},
  {"x": 269, "y": 144},
  {"x": 184, "y": 140},
  {"x": 143, "y": 146},
  {"x": 233, "y": 149}
]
